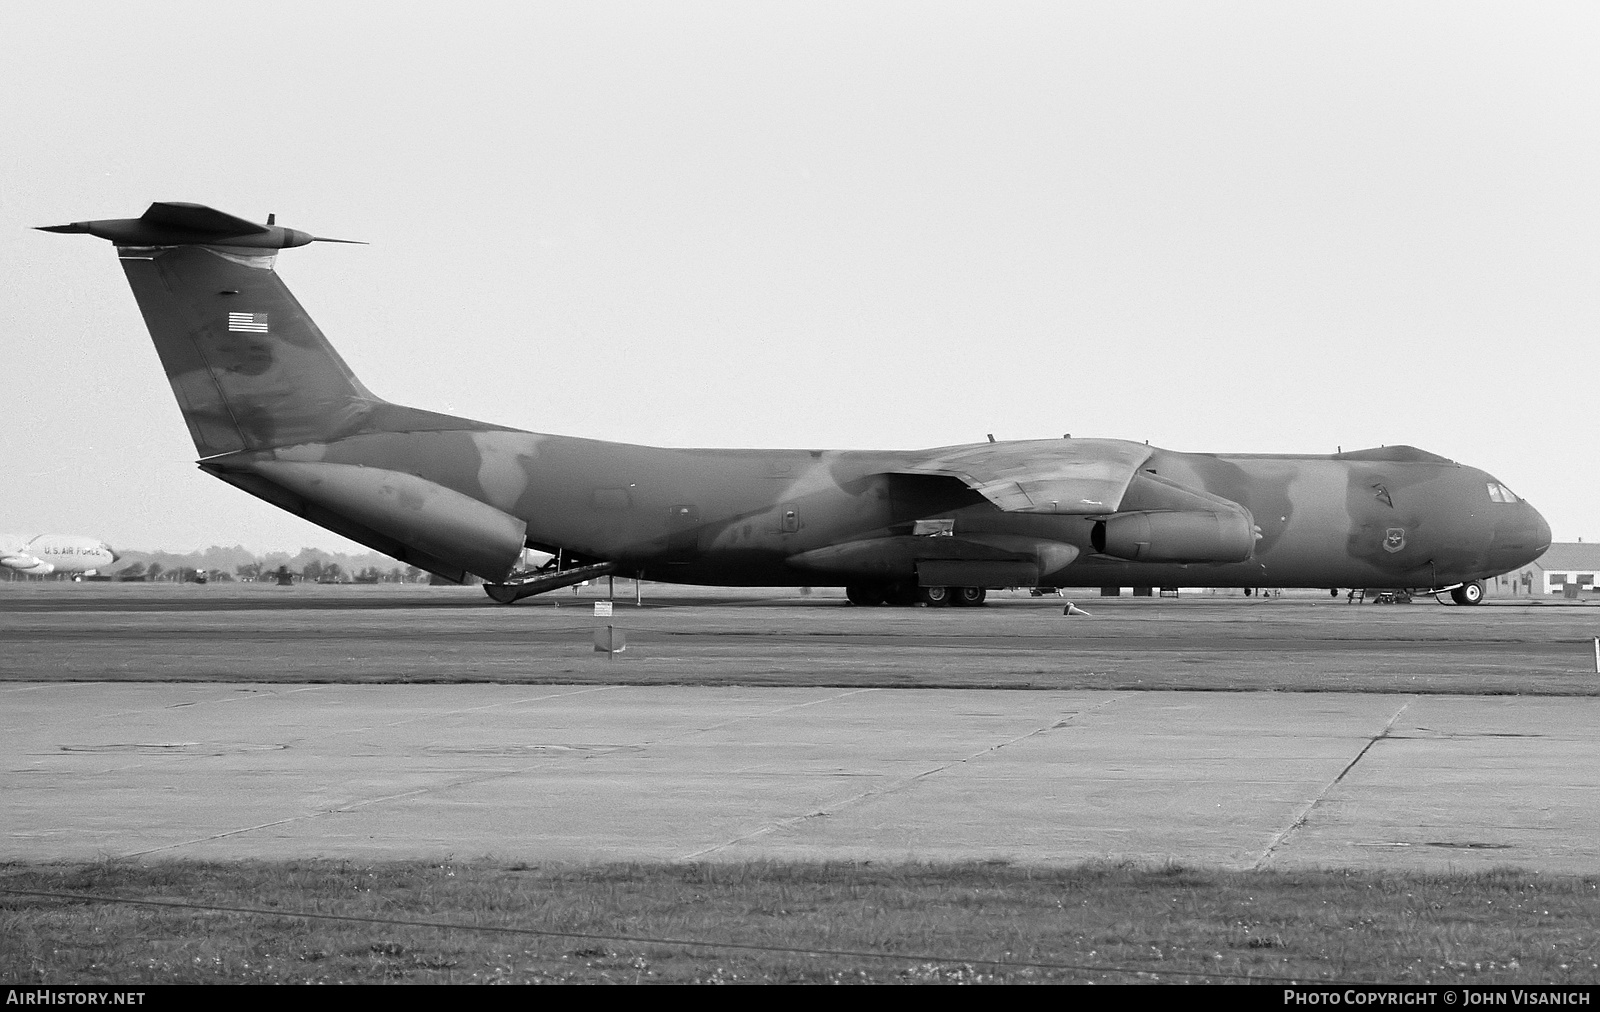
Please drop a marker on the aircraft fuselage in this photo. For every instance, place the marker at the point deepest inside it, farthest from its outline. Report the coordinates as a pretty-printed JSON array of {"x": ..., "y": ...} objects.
[{"x": 740, "y": 517}]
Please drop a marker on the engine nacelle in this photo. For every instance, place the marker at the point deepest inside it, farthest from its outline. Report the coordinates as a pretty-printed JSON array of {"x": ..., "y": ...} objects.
[
  {"x": 1189, "y": 536},
  {"x": 23, "y": 563}
]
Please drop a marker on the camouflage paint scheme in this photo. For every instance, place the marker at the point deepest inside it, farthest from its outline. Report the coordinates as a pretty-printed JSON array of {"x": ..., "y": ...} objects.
[{"x": 274, "y": 410}]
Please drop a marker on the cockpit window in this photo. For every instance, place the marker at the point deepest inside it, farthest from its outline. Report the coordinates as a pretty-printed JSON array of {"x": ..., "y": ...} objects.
[{"x": 1499, "y": 493}]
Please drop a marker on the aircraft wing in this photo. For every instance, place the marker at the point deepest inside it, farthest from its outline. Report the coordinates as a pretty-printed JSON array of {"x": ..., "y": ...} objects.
[{"x": 1082, "y": 476}]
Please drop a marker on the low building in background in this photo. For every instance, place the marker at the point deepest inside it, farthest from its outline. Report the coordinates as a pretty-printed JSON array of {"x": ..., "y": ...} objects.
[{"x": 1576, "y": 563}]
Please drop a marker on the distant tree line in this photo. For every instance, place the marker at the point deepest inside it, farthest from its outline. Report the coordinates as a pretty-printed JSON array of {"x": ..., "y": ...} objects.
[
  {"x": 316, "y": 571},
  {"x": 225, "y": 565}
]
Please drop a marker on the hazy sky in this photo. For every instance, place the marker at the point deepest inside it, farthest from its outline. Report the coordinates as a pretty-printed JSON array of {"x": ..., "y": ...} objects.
[{"x": 1259, "y": 227}]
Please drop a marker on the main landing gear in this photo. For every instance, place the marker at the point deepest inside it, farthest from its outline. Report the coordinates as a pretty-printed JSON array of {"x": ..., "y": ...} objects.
[
  {"x": 968, "y": 597},
  {"x": 867, "y": 594}
]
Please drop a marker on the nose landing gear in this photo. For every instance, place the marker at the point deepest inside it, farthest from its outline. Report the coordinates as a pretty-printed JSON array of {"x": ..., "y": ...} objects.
[{"x": 1468, "y": 593}]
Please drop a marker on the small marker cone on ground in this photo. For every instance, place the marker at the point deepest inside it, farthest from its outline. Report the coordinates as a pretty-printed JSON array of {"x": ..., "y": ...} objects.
[
  {"x": 610, "y": 641},
  {"x": 1072, "y": 609}
]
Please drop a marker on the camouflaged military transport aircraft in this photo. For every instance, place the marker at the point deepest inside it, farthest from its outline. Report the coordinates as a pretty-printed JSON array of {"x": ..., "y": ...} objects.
[{"x": 274, "y": 410}]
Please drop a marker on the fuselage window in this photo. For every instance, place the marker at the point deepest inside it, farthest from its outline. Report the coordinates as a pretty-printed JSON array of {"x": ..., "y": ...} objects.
[{"x": 1499, "y": 493}]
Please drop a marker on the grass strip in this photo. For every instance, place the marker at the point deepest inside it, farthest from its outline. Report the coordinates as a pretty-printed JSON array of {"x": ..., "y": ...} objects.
[{"x": 455, "y": 922}]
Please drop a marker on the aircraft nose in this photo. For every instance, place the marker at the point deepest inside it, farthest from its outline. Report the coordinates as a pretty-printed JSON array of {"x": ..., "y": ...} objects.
[
  {"x": 1541, "y": 532},
  {"x": 1522, "y": 539},
  {"x": 1521, "y": 535}
]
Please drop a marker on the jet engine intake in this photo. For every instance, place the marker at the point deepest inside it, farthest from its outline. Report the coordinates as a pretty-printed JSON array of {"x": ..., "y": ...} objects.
[{"x": 1189, "y": 536}]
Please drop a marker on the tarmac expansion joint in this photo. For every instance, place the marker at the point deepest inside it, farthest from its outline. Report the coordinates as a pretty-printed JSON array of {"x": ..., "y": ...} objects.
[
  {"x": 1300, "y": 819},
  {"x": 896, "y": 787}
]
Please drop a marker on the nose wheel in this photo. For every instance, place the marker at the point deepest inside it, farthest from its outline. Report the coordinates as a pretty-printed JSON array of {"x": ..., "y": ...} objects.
[{"x": 1468, "y": 593}]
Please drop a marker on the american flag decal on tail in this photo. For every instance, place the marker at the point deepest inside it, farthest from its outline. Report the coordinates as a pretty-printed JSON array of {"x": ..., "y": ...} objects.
[{"x": 253, "y": 323}]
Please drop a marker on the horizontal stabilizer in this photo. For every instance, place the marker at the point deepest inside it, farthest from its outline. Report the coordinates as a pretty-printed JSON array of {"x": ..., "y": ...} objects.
[
  {"x": 174, "y": 223},
  {"x": 198, "y": 218}
]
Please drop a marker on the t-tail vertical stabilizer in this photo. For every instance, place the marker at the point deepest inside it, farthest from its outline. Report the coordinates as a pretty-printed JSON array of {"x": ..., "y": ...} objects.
[
  {"x": 249, "y": 368},
  {"x": 254, "y": 375}
]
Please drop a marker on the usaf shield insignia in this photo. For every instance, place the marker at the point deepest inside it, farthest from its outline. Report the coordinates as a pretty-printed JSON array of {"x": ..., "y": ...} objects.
[{"x": 1394, "y": 539}]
